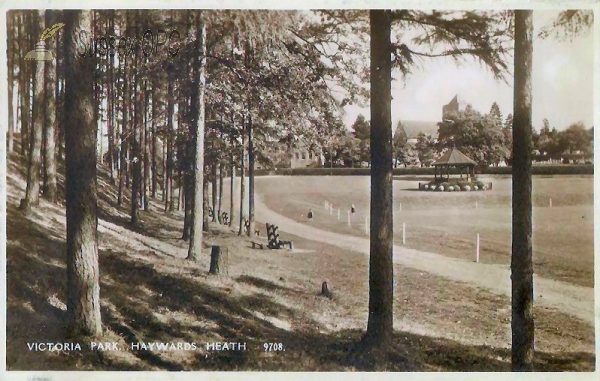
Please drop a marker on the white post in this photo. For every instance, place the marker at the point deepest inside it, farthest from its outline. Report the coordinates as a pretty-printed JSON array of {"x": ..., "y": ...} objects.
[
  {"x": 476, "y": 205},
  {"x": 477, "y": 250},
  {"x": 400, "y": 206},
  {"x": 325, "y": 203},
  {"x": 330, "y": 209},
  {"x": 403, "y": 233},
  {"x": 348, "y": 218},
  {"x": 367, "y": 225},
  {"x": 551, "y": 203},
  {"x": 338, "y": 214}
]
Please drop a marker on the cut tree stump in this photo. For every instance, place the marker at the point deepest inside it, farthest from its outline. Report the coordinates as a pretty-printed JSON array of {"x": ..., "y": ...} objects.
[
  {"x": 325, "y": 291},
  {"x": 219, "y": 260}
]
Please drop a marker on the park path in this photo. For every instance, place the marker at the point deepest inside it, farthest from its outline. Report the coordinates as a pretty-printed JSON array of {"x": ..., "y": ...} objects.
[{"x": 574, "y": 300}]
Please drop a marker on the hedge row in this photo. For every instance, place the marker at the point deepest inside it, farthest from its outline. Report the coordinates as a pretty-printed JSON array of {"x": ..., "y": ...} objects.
[{"x": 546, "y": 169}]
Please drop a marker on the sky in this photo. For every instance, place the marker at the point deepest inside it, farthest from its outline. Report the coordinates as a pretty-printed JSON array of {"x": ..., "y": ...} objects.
[{"x": 562, "y": 84}]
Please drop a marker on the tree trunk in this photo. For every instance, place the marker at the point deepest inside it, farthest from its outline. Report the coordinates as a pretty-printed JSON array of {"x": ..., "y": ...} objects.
[
  {"x": 124, "y": 132},
  {"x": 32, "y": 193},
  {"x": 25, "y": 85},
  {"x": 232, "y": 175},
  {"x": 242, "y": 179},
  {"x": 220, "y": 199},
  {"x": 154, "y": 140},
  {"x": 205, "y": 220},
  {"x": 83, "y": 287},
  {"x": 195, "y": 249},
  {"x": 146, "y": 162},
  {"x": 111, "y": 101},
  {"x": 521, "y": 261},
  {"x": 10, "y": 54},
  {"x": 219, "y": 260},
  {"x": 50, "y": 191},
  {"x": 136, "y": 166},
  {"x": 215, "y": 191},
  {"x": 168, "y": 137},
  {"x": 380, "y": 324},
  {"x": 250, "y": 179}
]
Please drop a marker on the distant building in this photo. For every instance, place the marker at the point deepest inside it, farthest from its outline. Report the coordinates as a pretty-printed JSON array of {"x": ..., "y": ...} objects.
[
  {"x": 455, "y": 105},
  {"x": 303, "y": 157}
]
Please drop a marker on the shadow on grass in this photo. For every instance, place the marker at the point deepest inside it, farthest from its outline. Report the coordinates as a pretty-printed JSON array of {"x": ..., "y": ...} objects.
[{"x": 134, "y": 291}]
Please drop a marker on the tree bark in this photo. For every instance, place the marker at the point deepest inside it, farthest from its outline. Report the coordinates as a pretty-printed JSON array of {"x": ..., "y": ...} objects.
[
  {"x": 50, "y": 191},
  {"x": 250, "y": 179},
  {"x": 168, "y": 138},
  {"x": 232, "y": 175},
  {"x": 146, "y": 145},
  {"x": 10, "y": 15},
  {"x": 380, "y": 324},
  {"x": 242, "y": 178},
  {"x": 136, "y": 162},
  {"x": 123, "y": 136},
  {"x": 195, "y": 249},
  {"x": 83, "y": 287},
  {"x": 154, "y": 139},
  {"x": 215, "y": 191},
  {"x": 25, "y": 85},
  {"x": 521, "y": 261},
  {"x": 32, "y": 193},
  {"x": 219, "y": 260},
  {"x": 220, "y": 199},
  {"x": 205, "y": 220}
]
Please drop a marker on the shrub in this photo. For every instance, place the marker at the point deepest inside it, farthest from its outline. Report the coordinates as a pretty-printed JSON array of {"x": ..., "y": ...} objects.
[
  {"x": 451, "y": 188},
  {"x": 426, "y": 186},
  {"x": 441, "y": 188},
  {"x": 484, "y": 187},
  {"x": 466, "y": 188},
  {"x": 475, "y": 187}
]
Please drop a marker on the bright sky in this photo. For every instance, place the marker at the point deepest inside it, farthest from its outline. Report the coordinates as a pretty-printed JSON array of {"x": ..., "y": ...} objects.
[{"x": 562, "y": 84}]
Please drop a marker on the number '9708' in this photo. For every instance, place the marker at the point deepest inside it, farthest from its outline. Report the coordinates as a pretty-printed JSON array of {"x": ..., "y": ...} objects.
[{"x": 273, "y": 347}]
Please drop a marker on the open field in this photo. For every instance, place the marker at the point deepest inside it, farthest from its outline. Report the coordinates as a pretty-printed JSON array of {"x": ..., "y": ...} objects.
[
  {"x": 150, "y": 293},
  {"x": 447, "y": 223}
]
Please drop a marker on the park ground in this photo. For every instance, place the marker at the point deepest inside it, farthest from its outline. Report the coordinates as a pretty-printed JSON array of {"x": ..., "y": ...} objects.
[{"x": 149, "y": 292}]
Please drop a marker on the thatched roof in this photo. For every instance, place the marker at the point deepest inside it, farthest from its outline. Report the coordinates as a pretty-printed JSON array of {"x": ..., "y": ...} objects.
[{"x": 454, "y": 157}]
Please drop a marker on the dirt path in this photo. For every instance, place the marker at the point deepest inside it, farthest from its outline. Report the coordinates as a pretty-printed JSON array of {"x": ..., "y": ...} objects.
[{"x": 574, "y": 300}]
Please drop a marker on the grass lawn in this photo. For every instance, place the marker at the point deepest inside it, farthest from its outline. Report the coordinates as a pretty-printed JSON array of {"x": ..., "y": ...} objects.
[{"x": 447, "y": 223}]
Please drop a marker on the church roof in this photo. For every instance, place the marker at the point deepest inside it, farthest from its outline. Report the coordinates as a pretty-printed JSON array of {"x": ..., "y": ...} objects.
[{"x": 454, "y": 157}]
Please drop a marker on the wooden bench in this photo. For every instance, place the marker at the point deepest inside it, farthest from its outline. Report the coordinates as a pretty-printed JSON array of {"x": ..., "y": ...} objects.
[
  {"x": 261, "y": 245},
  {"x": 273, "y": 237}
]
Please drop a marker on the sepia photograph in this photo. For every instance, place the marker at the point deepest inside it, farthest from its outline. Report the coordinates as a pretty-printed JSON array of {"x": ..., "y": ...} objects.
[{"x": 299, "y": 190}]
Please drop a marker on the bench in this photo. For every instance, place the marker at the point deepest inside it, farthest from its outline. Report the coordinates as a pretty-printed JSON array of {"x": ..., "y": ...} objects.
[
  {"x": 273, "y": 238},
  {"x": 261, "y": 245}
]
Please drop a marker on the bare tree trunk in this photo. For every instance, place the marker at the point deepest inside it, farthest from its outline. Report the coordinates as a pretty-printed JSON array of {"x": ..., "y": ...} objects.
[
  {"x": 25, "y": 85},
  {"x": 521, "y": 261},
  {"x": 250, "y": 179},
  {"x": 232, "y": 174},
  {"x": 169, "y": 137},
  {"x": 111, "y": 101},
  {"x": 220, "y": 199},
  {"x": 32, "y": 193},
  {"x": 154, "y": 140},
  {"x": 146, "y": 163},
  {"x": 205, "y": 220},
  {"x": 215, "y": 191},
  {"x": 135, "y": 155},
  {"x": 199, "y": 68},
  {"x": 83, "y": 286},
  {"x": 380, "y": 324},
  {"x": 50, "y": 191},
  {"x": 123, "y": 137},
  {"x": 242, "y": 179},
  {"x": 10, "y": 15}
]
